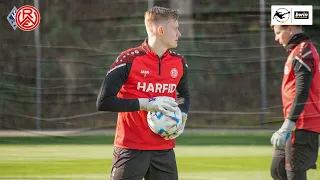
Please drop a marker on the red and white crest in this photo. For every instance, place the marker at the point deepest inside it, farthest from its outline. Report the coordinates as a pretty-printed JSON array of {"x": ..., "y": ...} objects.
[
  {"x": 27, "y": 18},
  {"x": 174, "y": 73}
]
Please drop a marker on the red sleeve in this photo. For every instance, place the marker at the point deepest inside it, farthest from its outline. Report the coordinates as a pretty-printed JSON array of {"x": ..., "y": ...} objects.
[{"x": 305, "y": 56}]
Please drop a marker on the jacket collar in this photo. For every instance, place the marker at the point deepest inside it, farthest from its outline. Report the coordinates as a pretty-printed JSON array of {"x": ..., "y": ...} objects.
[
  {"x": 146, "y": 47},
  {"x": 295, "y": 40}
]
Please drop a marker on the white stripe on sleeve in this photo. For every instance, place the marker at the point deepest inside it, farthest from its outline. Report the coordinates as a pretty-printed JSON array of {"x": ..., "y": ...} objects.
[
  {"x": 309, "y": 69},
  {"x": 306, "y": 54},
  {"x": 116, "y": 67}
]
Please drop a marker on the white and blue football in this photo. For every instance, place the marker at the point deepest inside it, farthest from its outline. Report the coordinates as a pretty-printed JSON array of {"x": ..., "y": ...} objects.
[{"x": 164, "y": 125}]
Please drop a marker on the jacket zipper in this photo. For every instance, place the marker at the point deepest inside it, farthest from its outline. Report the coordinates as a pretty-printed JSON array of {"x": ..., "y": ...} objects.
[{"x": 159, "y": 67}]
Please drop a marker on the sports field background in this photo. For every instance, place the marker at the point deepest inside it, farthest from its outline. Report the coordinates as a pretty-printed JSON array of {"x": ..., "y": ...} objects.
[
  {"x": 206, "y": 156},
  {"x": 222, "y": 43}
]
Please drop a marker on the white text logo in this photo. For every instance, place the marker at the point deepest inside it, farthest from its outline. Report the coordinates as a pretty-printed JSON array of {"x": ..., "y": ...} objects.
[
  {"x": 144, "y": 72},
  {"x": 156, "y": 87}
]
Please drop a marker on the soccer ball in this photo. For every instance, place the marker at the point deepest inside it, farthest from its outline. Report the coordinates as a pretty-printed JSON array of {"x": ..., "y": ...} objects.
[{"x": 165, "y": 125}]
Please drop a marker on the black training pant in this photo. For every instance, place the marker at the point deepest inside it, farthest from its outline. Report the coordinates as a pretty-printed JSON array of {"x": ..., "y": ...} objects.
[
  {"x": 299, "y": 155},
  {"x": 131, "y": 164}
]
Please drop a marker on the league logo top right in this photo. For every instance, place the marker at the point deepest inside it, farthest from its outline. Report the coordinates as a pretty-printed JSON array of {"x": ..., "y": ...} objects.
[{"x": 291, "y": 15}]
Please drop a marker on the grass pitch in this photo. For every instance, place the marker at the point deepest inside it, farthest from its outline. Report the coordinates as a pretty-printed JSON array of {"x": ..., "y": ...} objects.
[{"x": 199, "y": 157}]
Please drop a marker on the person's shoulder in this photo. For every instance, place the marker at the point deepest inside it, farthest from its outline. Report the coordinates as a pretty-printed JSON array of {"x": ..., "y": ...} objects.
[
  {"x": 129, "y": 55},
  {"x": 304, "y": 50},
  {"x": 179, "y": 56},
  {"x": 304, "y": 54}
]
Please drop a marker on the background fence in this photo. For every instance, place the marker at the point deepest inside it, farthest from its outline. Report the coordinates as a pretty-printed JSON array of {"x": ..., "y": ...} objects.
[{"x": 222, "y": 41}]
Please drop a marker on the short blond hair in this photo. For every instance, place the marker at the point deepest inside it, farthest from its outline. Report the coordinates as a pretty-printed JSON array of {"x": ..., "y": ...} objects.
[
  {"x": 156, "y": 14},
  {"x": 272, "y": 26}
]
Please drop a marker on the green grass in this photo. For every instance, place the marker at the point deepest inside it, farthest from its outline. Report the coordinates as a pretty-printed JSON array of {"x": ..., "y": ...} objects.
[
  {"x": 186, "y": 139},
  {"x": 78, "y": 159}
]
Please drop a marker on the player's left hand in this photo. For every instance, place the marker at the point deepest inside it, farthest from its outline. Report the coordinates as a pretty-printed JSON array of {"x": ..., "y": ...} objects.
[
  {"x": 280, "y": 137},
  {"x": 181, "y": 128}
]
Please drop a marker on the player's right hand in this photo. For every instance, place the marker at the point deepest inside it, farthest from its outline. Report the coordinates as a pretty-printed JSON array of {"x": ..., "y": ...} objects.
[{"x": 161, "y": 104}]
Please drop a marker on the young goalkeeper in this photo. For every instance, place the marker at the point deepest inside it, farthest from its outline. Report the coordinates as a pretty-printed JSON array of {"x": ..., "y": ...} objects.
[{"x": 141, "y": 80}]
